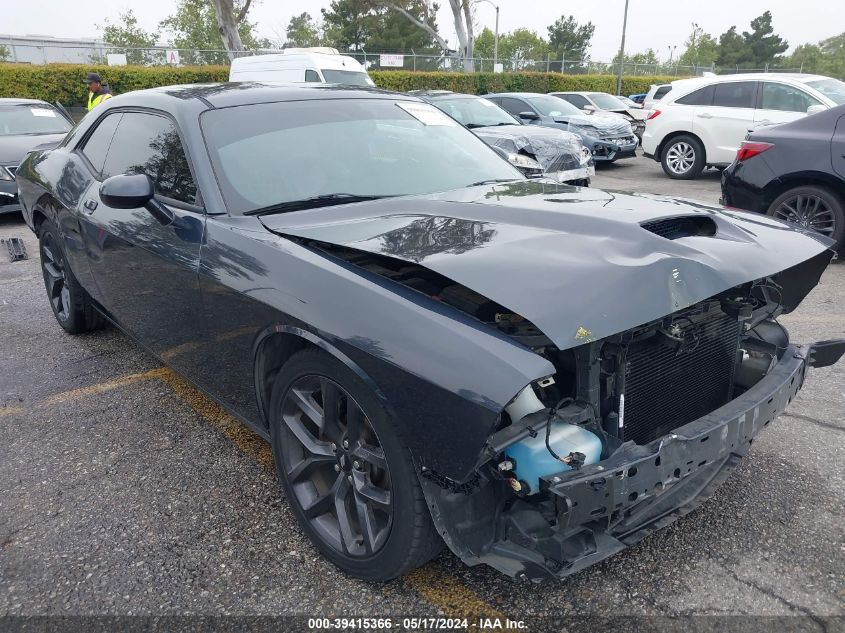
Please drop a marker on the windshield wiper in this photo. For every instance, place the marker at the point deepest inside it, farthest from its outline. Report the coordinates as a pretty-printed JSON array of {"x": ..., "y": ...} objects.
[
  {"x": 472, "y": 126},
  {"x": 325, "y": 200},
  {"x": 492, "y": 181}
]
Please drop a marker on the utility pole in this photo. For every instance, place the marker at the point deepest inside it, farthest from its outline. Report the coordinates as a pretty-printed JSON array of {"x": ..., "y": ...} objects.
[
  {"x": 622, "y": 51},
  {"x": 496, "y": 43}
]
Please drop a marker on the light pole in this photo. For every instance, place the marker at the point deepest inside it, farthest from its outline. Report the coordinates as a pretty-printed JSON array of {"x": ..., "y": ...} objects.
[
  {"x": 622, "y": 51},
  {"x": 496, "y": 44}
]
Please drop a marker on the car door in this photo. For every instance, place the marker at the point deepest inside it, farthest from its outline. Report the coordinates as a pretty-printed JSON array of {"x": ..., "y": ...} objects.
[
  {"x": 145, "y": 272},
  {"x": 781, "y": 103},
  {"x": 516, "y": 106},
  {"x": 723, "y": 125}
]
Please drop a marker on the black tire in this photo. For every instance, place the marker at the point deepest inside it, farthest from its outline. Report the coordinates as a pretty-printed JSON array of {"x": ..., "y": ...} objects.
[
  {"x": 407, "y": 538},
  {"x": 71, "y": 305},
  {"x": 683, "y": 158},
  {"x": 813, "y": 207}
]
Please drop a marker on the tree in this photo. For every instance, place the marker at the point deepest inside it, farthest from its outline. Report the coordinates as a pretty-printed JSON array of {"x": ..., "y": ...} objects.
[
  {"x": 762, "y": 45},
  {"x": 195, "y": 27},
  {"x": 126, "y": 35},
  {"x": 462, "y": 18},
  {"x": 570, "y": 40},
  {"x": 4, "y": 53},
  {"x": 702, "y": 49},
  {"x": 732, "y": 49},
  {"x": 522, "y": 46},
  {"x": 349, "y": 23},
  {"x": 303, "y": 30},
  {"x": 228, "y": 19},
  {"x": 825, "y": 58}
]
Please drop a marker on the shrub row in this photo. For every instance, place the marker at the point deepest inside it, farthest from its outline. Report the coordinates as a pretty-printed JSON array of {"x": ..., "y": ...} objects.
[{"x": 65, "y": 82}]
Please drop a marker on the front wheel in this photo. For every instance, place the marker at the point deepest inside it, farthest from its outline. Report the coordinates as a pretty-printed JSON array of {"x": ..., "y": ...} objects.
[
  {"x": 812, "y": 207},
  {"x": 682, "y": 158},
  {"x": 71, "y": 305},
  {"x": 345, "y": 471}
]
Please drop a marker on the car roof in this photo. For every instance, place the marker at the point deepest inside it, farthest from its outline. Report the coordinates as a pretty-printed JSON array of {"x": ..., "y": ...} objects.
[
  {"x": 515, "y": 94},
  {"x": 223, "y": 95},
  {"x": 21, "y": 101}
]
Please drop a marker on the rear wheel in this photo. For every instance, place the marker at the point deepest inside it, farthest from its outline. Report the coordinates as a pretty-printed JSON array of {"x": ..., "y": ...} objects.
[
  {"x": 71, "y": 305},
  {"x": 345, "y": 472},
  {"x": 812, "y": 207},
  {"x": 683, "y": 158}
]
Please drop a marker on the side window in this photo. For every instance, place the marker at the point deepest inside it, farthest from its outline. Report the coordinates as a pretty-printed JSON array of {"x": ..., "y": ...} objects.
[
  {"x": 97, "y": 145},
  {"x": 700, "y": 97},
  {"x": 661, "y": 92},
  {"x": 577, "y": 100},
  {"x": 786, "y": 98},
  {"x": 311, "y": 75},
  {"x": 149, "y": 144},
  {"x": 735, "y": 94},
  {"x": 515, "y": 106}
]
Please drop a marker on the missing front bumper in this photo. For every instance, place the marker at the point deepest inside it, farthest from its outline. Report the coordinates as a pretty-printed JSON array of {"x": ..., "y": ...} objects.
[{"x": 592, "y": 513}]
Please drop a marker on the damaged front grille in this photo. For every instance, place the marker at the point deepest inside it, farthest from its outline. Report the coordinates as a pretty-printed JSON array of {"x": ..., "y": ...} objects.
[{"x": 683, "y": 371}]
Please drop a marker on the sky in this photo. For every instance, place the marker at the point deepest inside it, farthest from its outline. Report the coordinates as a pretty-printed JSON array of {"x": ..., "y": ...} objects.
[{"x": 657, "y": 24}]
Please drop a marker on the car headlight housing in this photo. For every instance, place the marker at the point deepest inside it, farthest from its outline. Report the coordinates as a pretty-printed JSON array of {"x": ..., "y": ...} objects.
[
  {"x": 522, "y": 161},
  {"x": 5, "y": 174}
]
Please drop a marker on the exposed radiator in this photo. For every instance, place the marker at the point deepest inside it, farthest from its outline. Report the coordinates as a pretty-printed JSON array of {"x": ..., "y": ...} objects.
[{"x": 668, "y": 384}]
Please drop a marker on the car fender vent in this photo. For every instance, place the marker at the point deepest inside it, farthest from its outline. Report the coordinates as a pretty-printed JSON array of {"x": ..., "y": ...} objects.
[{"x": 682, "y": 226}]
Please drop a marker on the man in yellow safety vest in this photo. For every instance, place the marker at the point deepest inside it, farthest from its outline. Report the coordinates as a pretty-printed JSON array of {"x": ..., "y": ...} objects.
[{"x": 97, "y": 91}]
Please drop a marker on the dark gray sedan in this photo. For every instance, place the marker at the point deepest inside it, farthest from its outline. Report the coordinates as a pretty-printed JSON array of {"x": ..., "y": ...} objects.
[{"x": 24, "y": 125}]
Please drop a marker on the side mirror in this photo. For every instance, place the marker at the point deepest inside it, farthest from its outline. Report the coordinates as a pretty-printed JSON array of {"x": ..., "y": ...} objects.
[
  {"x": 815, "y": 109},
  {"x": 589, "y": 108},
  {"x": 132, "y": 191},
  {"x": 529, "y": 116}
]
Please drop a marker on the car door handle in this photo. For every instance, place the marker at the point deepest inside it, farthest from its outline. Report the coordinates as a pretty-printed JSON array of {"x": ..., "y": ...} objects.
[
  {"x": 704, "y": 115},
  {"x": 90, "y": 205}
]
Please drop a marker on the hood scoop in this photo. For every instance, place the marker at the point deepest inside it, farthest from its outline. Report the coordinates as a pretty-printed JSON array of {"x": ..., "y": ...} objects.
[{"x": 682, "y": 226}]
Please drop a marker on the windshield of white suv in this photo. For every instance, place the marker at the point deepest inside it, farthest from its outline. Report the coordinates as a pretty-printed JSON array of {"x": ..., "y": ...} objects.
[
  {"x": 833, "y": 89},
  {"x": 552, "y": 106},
  {"x": 348, "y": 77},
  {"x": 606, "y": 101},
  {"x": 271, "y": 154},
  {"x": 475, "y": 112},
  {"x": 31, "y": 119}
]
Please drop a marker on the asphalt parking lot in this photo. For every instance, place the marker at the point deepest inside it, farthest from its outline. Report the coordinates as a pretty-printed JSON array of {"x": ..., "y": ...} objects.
[{"x": 124, "y": 491}]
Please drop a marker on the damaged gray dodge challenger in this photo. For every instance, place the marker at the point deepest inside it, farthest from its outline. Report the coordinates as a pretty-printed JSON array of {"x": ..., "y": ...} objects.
[{"x": 438, "y": 349}]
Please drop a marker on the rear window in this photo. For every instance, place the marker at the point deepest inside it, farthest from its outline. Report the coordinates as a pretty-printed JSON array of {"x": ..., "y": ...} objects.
[
  {"x": 31, "y": 119},
  {"x": 735, "y": 94},
  {"x": 661, "y": 92},
  {"x": 700, "y": 97},
  {"x": 348, "y": 77}
]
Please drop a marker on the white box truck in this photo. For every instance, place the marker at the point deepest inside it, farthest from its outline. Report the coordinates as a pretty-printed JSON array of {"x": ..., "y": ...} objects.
[{"x": 301, "y": 65}]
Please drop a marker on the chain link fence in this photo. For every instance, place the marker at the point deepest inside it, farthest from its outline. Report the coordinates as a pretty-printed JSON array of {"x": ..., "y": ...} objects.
[{"x": 375, "y": 60}]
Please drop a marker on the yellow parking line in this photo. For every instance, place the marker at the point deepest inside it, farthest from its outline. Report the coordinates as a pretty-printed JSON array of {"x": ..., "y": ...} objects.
[
  {"x": 446, "y": 592},
  {"x": 73, "y": 394},
  {"x": 240, "y": 435}
]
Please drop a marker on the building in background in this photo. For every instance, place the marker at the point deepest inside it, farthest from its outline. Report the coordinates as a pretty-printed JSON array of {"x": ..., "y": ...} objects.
[{"x": 43, "y": 49}]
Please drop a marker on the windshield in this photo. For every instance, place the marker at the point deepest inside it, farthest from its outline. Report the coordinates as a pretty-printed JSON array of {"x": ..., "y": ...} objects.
[
  {"x": 31, "y": 118},
  {"x": 348, "y": 77},
  {"x": 552, "y": 106},
  {"x": 833, "y": 89},
  {"x": 475, "y": 112},
  {"x": 606, "y": 101},
  {"x": 271, "y": 153}
]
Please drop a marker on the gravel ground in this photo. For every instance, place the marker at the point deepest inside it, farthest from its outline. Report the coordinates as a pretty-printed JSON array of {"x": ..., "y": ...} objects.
[{"x": 125, "y": 492}]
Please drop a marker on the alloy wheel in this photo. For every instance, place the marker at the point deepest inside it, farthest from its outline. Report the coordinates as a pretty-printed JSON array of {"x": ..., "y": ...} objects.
[
  {"x": 336, "y": 466},
  {"x": 680, "y": 158},
  {"x": 53, "y": 268},
  {"x": 809, "y": 211}
]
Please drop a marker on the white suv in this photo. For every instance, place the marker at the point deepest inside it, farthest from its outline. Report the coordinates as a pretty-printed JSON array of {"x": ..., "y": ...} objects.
[{"x": 703, "y": 121}]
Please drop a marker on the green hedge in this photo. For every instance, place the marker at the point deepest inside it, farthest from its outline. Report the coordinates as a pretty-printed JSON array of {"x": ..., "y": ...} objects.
[{"x": 65, "y": 82}]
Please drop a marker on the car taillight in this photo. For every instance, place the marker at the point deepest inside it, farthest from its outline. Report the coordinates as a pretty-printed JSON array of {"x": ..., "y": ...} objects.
[
  {"x": 749, "y": 149},
  {"x": 654, "y": 114}
]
